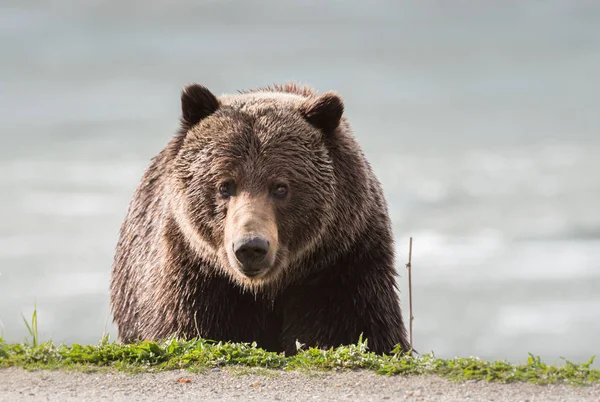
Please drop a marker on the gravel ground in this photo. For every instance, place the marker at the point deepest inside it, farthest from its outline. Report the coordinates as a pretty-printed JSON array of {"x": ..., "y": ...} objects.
[{"x": 19, "y": 385}]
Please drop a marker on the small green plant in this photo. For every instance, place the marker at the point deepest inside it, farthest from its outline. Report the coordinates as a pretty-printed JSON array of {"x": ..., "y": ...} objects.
[{"x": 33, "y": 328}]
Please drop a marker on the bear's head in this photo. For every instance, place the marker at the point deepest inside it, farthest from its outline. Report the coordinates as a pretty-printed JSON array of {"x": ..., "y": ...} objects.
[{"x": 253, "y": 178}]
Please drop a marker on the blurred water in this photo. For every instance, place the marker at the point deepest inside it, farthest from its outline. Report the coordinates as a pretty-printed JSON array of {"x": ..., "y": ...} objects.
[{"x": 480, "y": 118}]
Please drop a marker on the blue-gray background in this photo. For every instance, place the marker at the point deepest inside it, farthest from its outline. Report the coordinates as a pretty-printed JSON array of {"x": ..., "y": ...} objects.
[{"x": 480, "y": 118}]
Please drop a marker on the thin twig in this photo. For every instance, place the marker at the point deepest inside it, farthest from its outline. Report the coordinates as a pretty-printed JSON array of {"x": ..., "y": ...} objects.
[
  {"x": 196, "y": 325},
  {"x": 409, "y": 268}
]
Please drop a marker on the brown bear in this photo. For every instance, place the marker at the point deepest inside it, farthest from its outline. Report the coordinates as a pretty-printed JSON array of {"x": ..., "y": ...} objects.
[{"x": 261, "y": 220}]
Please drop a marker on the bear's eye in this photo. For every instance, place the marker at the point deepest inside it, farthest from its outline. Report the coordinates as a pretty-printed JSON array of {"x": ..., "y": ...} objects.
[
  {"x": 281, "y": 191},
  {"x": 226, "y": 189}
]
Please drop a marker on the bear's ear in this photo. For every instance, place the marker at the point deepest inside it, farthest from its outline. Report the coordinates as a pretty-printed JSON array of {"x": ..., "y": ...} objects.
[
  {"x": 197, "y": 103},
  {"x": 323, "y": 111}
]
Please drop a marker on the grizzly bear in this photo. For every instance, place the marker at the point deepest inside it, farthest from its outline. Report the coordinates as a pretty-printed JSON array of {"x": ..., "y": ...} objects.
[{"x": 260, "y": 221}]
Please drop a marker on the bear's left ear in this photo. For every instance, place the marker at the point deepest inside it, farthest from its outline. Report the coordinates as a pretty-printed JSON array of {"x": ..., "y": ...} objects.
[
  {"x": 197, "y": 103},
  {"x": 323, "y": 111}
]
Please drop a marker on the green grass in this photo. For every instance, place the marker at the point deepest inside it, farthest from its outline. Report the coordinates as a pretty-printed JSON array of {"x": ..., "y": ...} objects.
[{"x": 198, "y": 355}]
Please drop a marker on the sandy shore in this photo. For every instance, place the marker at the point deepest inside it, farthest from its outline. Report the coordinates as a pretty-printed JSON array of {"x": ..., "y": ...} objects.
[{"x": 19, "y": 385}]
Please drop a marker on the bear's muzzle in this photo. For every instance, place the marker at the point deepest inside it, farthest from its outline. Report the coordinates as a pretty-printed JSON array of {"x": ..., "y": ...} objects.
[{"x": 251, "y": 253}]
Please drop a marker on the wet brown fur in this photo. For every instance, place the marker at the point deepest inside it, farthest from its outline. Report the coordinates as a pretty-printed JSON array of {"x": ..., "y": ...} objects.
[{"x": 334, "y": 275}]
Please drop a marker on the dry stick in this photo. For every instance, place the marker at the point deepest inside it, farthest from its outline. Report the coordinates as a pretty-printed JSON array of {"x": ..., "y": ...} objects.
[
  {"x": 196, "y": 325},
  {"x": 408, "y": 267}
]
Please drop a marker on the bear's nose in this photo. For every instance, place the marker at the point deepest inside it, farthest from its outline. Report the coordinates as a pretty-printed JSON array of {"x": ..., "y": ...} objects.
[{"x": 251, "y": 252}]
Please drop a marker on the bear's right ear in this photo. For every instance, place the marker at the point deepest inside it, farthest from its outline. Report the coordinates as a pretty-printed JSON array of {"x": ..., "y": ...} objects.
[{"x": 197, "y": 103}]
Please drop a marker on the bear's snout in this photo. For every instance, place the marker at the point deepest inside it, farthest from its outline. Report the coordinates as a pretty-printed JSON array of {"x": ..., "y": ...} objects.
[
  {"x": 251, "y": 237},
  {"x": 251, "y": 252}
]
